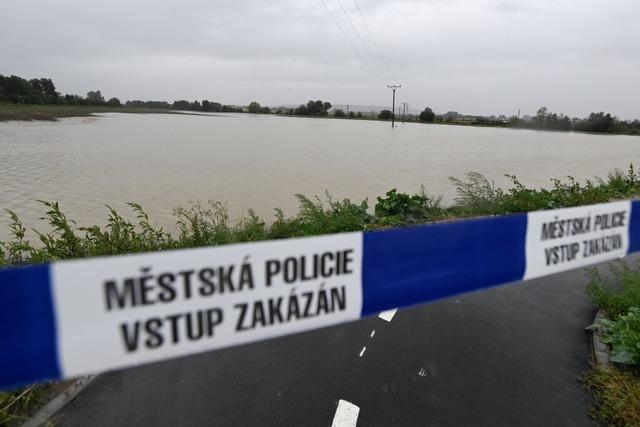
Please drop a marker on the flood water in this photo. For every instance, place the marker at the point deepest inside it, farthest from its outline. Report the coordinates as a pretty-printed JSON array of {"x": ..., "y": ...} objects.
[{"x": 260, "y": 162}]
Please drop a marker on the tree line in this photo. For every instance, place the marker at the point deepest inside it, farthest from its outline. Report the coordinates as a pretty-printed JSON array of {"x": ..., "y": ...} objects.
[
  {"x": 544, "y": 119},
  {"x": 599, "y": 122},
  {"x": 42, "y": 91}
]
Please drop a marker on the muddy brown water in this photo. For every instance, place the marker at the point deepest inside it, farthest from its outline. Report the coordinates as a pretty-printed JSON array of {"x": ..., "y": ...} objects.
[{"x": 260, "y": 162}]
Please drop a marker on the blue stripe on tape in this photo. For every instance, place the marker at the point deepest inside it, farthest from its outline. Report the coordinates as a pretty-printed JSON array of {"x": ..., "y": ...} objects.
[
  {"x": 28, "y": 352},
  {"x": 634, "y": 227},
  {"x": 412, "y": 265}
]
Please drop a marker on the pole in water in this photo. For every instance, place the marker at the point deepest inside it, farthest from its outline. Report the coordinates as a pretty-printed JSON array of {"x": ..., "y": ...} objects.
[{"x": 393, "y": 105}]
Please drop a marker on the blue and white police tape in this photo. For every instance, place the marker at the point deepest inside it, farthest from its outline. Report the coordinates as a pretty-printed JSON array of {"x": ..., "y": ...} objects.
[{"x": 76, "y": 317}]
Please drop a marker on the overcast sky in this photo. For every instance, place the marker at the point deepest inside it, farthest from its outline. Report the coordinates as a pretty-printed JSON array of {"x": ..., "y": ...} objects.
[{"x": 473, "y": 56}]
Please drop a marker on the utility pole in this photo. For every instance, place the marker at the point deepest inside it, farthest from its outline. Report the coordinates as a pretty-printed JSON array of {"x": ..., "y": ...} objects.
[
  {"x": 404, "y": 110},
  {"x": 393, "y": 107}
]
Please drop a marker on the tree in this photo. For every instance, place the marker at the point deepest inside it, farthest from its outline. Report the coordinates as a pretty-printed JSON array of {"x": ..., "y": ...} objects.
[
  {"x": 540, "y": 120},
  {"x": 114, "y": 102},
  {"x": 181, "y": 105},
  {"x": 254, "y": 108},
  {"x": 600, "y": 122},
  {"x": 45, "y": 90},
  {"x": 427, "y": 115},
  {"x": 339, "y": 113},
  {"x": 385, "y": 115},
  {"x": 317, "y": 108},
  {"x": 564, "y": 123},
  {"x": 301, "y": 111},
  {"x": 352, "y": 115},
  {"x": 95, "y": 97}
]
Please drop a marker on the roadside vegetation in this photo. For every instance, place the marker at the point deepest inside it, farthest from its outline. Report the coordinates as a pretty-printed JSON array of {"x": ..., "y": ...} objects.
[
  {"x": 209, "y": 224},
  {"x": 617, "y": 387}
]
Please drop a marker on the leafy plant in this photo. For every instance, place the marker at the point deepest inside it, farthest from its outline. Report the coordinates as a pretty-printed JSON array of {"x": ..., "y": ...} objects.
[
  {"x": 400, "y": 208},
  {"x": 623, "y": 335}
]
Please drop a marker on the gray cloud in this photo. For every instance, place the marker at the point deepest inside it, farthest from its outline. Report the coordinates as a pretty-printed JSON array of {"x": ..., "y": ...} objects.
[{"x": 476, "y": 56}]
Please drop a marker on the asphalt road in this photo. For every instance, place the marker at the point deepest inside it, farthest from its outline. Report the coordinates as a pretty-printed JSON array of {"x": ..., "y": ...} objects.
[{"x": 504, "y": 357}]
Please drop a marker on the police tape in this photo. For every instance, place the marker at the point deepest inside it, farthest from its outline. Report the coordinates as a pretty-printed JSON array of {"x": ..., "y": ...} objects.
[{"x": 71, "y": 318}]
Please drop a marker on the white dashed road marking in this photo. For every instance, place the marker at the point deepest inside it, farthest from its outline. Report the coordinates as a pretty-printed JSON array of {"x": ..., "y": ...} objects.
[
  {"x": 372, "y": 333},
  {"x": 388, "y": 315},
  {"x": 346, "y": 414},
  {"x": 363, "y": 350}
]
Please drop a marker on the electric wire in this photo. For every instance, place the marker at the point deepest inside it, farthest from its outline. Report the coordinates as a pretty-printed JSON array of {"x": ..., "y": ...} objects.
[
  {"x": 364, "y": 45},
  {"x": 373, "y": 40},
  {"x": 353, "y": 46}
]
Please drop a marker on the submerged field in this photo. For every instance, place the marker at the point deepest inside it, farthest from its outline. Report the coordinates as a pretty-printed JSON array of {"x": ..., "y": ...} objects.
[{"x": 29, "y": 112}]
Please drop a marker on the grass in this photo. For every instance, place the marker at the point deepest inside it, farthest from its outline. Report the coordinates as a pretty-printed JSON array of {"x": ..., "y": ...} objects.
[
  {"x": 14, "y": 406},
  {"x": 209, "y": 224},
  {"x": 617, "y": 396},
  {"x": 29, "y": 112}
]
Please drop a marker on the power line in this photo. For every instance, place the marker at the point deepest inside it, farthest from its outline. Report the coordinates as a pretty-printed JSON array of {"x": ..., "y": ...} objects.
[
  {"x": 374, "y": 40},
  {"x": 355, "y": 30},
  {"x": 349, "y": 40}
]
